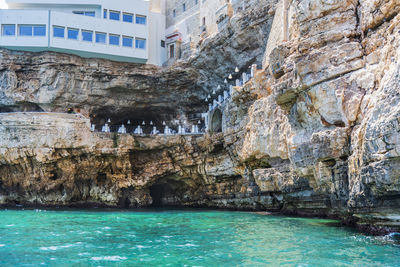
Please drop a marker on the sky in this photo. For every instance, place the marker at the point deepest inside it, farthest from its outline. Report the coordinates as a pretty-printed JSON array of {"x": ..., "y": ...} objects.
[{"x": 2, "y": 4}]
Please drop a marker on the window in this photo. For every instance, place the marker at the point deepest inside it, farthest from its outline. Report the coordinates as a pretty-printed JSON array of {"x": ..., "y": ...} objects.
[
  {"x": 25, "y": 30},
  {"x": 162, "y": 43},
  {"x": 58, "y": 31},
  {"x": 127, "y": 41},
  {"x": 8, "y": 30},
  {"x": 100, "y": 37},
  {"x": 32, "y": 30},
  {"x": 140, "y": 19},
  {"x": 114, "y": 15},
  {"x": 39, "y": 30},
  {"x": 87, "y": 36},
  {"x": 127, "y": 17},
  {"x": 174, "y": 13},
  {"x": 184, "y": 7},
  {"x": 85, "y": 13},
  {"x": 105, "y": 13},
  {"x": 171, "y": 51},
  {"x": 204, "y": 21},
  {"x": 196, "y": 2},
  {"x": 140, "y": 43},
  {"x": 73, "y": 33},
  {"x": 113, "y": 39}
]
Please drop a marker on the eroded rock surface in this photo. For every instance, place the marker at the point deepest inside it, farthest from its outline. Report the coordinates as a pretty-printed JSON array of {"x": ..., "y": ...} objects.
[{"x": 314, "y": 132}]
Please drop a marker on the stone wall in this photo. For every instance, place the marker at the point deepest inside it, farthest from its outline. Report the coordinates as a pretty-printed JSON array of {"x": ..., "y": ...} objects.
[{"x": 177, "y": 5}]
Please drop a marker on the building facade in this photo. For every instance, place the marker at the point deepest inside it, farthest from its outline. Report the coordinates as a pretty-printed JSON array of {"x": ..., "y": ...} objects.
[
  {"x": 155, "y": 32},
  {"x": 108, "y": 29}
]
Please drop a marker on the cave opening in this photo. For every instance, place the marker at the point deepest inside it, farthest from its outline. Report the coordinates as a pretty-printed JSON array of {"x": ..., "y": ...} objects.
[
  {"x": 216, "y": 121},
  {"x": 21, "y": 107},
  {"x": 168, "y": 193}
]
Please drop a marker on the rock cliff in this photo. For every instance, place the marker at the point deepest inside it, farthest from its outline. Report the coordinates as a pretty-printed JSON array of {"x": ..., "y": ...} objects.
[{"x": 314, "y": 132}]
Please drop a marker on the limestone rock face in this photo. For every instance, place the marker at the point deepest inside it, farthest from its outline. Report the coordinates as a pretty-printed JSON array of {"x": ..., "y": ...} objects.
[
  {"x": 315, "y": 131},
  {"x": 101, "y": 89}
]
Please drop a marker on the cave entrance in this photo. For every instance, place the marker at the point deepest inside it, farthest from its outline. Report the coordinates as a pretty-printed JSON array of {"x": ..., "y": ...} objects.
[
  {"x": 168, "y": 193},
  {"x": 216, "y": 121}
]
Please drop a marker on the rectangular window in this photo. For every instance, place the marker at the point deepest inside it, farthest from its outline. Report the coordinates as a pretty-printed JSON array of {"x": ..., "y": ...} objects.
[
  {"x": 85, "y": 13},
  {"x": 162, "y": 43},
  {"x": 105, "y": 13},
  {"x": 127, "y": 17},
  {"x": 184, "y": 7},
  {"x": 87, "y": 36},
  {"x": 140, "y": 43},
  {"x": 113, "y": 39},
  {"x": 127, "y": 41},
  {"x": 114, "y": 15},
  {"x": 58, "y": 31},
  {"x": 90, "y": 13},
  {"x": 196, "y": 2},
  {"x": 25, "y": 30},
  {"x": 73, "y": 33},
  {"x": 140, "y": 19},
  {"x": 174, "y": 13},
  {"x": 8, "y": 30},
  {"x": 100, "y": 37},
  {"x": 39, "y": 30}
]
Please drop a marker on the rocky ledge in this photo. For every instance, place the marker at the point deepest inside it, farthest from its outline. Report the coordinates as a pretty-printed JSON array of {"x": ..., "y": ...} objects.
[{"x": 314, "y": 132}]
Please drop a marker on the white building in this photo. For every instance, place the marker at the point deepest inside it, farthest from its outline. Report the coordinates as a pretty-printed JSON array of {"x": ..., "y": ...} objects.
[{"x": 120, "y": 30}]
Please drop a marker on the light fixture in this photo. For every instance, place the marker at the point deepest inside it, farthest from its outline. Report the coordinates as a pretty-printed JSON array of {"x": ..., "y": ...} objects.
[
  {"x": 129, "y": 122},
  {"x": 108, "y": 120},
  {"x": 143, "y": 123},
  {"x": 219, "y": 87},
  {"x": 230, "y": 77},
  {"x": 209, "y": 97},
  {"x": 225, "y": 81},
  {"x": 163, "y": 123},
  {"x": 237, "y": 70},
  {"x": 206, "y": 99},
  {"x": 213, "y": 92},
  {"x": 151, "y": 122},
  {"x": 199, "y": 122}
]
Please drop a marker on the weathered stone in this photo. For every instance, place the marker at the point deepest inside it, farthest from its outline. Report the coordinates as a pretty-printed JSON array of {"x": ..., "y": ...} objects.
[{"x": 315, "y": 132}]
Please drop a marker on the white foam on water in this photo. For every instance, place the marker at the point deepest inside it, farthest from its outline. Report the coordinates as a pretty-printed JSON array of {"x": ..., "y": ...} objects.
[
  {"x": 84, "y": 254},
  {"x": 37, "y": 210},
  {"x": 188, "y": 245},
  {"x": 10, "y": 225},
  {"x": 2, "y": 245},
  {"x": 58, "y": 247},
  {"x": 49, "y": 248},
  {"x": 83, "y": 233},
  {"x": 106, "y": 228},
  {"x": 67, "y": 246},
  {"x": 109, "y": 258}
]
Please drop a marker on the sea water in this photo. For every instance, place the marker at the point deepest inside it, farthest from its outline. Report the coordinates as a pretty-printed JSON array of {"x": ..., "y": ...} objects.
[{"x": 183, "y": 238}]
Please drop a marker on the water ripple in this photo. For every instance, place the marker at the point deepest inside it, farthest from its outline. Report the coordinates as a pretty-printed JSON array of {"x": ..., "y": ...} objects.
[{"x": 109, "y": 258}]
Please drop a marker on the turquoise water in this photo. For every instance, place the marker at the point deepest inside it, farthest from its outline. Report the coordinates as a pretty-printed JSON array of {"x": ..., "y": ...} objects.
[{"x": 183, "y": 238}]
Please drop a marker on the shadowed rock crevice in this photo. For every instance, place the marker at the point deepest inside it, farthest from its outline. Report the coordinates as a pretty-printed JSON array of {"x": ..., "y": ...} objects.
[{"x": 168, "y": 192}]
